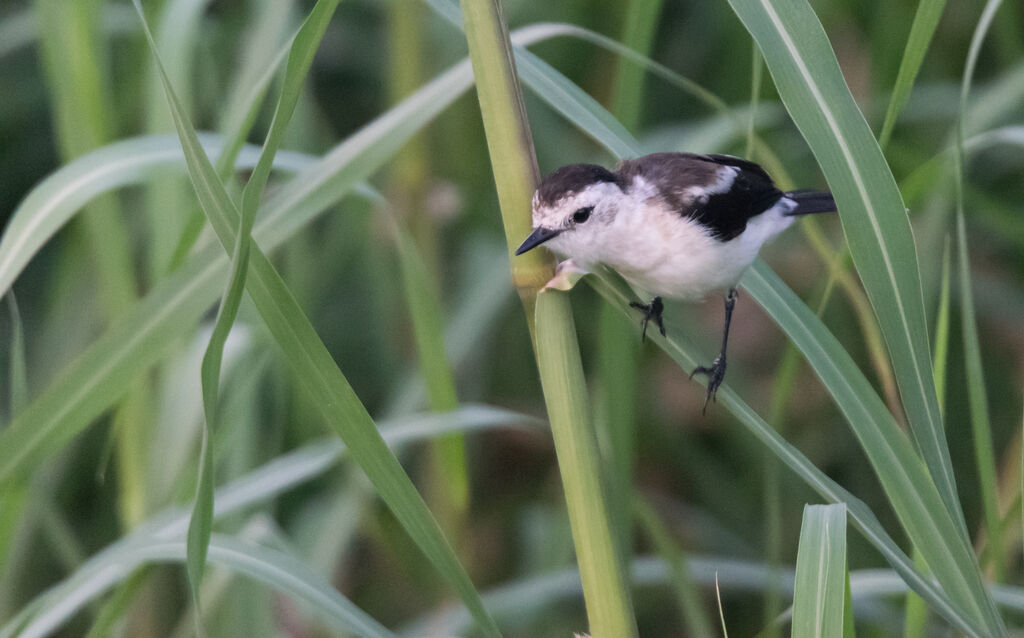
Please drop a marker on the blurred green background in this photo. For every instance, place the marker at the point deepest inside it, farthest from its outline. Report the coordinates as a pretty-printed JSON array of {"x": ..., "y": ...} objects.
[{"x": 77, "y": 76}]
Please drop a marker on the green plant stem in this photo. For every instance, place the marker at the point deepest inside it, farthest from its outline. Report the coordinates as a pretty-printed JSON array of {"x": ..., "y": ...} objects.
[
  {"x": 509, "y": 142},
  {"x": 609, "y": 609},
  {"x": 418, "y": 257},
  {"x": 688, "y": 597}
]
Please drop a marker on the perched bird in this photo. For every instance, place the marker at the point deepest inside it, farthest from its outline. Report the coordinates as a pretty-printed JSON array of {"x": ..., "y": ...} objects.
[{"x": 676, "y": 225}]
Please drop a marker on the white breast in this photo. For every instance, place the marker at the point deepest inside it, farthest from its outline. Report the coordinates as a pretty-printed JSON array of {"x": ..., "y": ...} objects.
[{"x": 667, "y": 254}]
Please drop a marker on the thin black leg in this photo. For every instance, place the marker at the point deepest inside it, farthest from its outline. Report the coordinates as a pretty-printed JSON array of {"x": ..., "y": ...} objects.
[
  {"x": 652, "y": 310},
  {"x": 716, "y": 373}
]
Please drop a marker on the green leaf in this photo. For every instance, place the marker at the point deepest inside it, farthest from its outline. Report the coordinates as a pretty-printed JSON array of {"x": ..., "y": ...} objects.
[
  {"x": 924, "y": 514},
  {"x": 58, "y": 198},
  {"x": 911, "y": 492},
  {"x": 877, "y": 229},
  {"x": 203, "y": 175},
  {"x": 54, "y": 607},
  {"x": 921, "y": 32},
  {"x": 16, "y": 376},
  {"x": 317, "y": 371},
  {"x": 99, "y": 376},
  {"x": 947, "y": 600},
  {"x": 638, "y": 31},
  {"x": 941, "y": 355},
  {"x": 820, "y": 584},
  {"x": 285, "y": 574},
  {"x": 424, "y": 302},
  {"x": 981, "y": 426}
]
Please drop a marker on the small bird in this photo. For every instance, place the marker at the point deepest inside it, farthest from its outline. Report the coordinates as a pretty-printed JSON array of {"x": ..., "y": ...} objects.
[{"x": 677, "y": 225}]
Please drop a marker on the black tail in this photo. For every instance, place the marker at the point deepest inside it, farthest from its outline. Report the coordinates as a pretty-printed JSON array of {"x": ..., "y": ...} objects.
[{"x": 809, "y": 202}]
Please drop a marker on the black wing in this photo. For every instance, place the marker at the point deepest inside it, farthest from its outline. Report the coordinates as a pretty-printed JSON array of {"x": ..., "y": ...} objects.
[{"x": 689, "y": 185}]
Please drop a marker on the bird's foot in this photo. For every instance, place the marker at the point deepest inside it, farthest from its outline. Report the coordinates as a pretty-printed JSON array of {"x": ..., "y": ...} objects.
[
  {"x": 652, "y": 310},
  {"x": 716, "y": 374}
]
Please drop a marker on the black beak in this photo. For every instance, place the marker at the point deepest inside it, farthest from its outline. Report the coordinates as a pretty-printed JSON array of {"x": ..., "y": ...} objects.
[{"x": 537, "y": 237}]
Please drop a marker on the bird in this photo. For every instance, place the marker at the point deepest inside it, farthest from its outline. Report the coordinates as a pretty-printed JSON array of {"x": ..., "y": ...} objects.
[{"x": 674, "y": 225}]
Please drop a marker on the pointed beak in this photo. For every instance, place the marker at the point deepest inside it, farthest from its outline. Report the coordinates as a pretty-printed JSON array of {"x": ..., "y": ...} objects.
[{"x": 537, "y": 237}]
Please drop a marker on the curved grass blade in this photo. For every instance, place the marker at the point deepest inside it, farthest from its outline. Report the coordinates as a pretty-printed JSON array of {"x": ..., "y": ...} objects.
[
  {"x": 820, "y": 583},
  {"x": 921, "y": 32},
  {"x": 258, "y": 486},
  {"x": 687, "y": 355},
  {"x": 961, "y": 573},
  {"x": 98, "y": 377},
  {"x": 320, "y": 375},
  {"x": 981, "y": 425},
  {"x": 283, "y": 573},
  {"x": 875, "y": 222},
  {"x": 300, "y": 58},
  {"x": 59, "y": 197},
  {"x": 947, "y": 546},
  {"x": 914, "y": 497}
]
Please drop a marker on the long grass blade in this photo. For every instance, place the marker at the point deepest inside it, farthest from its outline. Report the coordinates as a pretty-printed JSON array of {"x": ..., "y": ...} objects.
[
  {"x": 933, "y": 523},
  {"x": 99, "y": 376},
  {"x": 258, "y": 486},
  {"x": 300, "y": 58},
  {"x": 423, "y": 300},
  {"x": 695, "y": 619},
  {"x": 921, "y": 31},
  {"x": 59, "y": 197},
  {"x": 687, "y": 355},
  {"x": 820, "y": 584},
  {"x": 877, "y": 229},
  {"x": 638, "y": 31},
  {"x": 317, "y": 370},
  {"x": 981, "y": 425},
  {"x": 283, "y": 573},
  {"x": 941, "y": 355}
]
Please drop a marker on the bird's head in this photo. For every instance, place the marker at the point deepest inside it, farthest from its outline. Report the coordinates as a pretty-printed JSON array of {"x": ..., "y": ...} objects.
[{"x": 573, "y": 209}]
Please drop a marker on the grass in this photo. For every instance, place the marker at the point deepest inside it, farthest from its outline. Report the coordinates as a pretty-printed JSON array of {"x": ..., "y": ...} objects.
[{"x": 377, "y": 312}]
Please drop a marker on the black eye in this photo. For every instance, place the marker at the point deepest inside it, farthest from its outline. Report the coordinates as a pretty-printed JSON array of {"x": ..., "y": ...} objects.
[{"x": 582, "y": 215}]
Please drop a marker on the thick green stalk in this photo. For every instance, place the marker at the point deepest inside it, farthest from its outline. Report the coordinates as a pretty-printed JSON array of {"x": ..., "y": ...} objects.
[
  {"x": 609, "y": 609},
  {"x": 605, "y": 591}
]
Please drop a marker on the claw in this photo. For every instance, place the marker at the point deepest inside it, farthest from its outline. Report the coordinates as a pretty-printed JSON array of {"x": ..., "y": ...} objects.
[
  {"x": 652, "y": 310},
  {"x": 715, "y": 374}
]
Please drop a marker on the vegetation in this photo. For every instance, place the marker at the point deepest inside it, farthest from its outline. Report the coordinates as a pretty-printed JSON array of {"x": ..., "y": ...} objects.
[{"x": 265, "y": 373}]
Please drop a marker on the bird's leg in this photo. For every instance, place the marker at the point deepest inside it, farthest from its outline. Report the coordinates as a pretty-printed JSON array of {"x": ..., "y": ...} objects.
[
  {"x": 652, "y": 310},
  {"x": 716, "y": 373}
]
